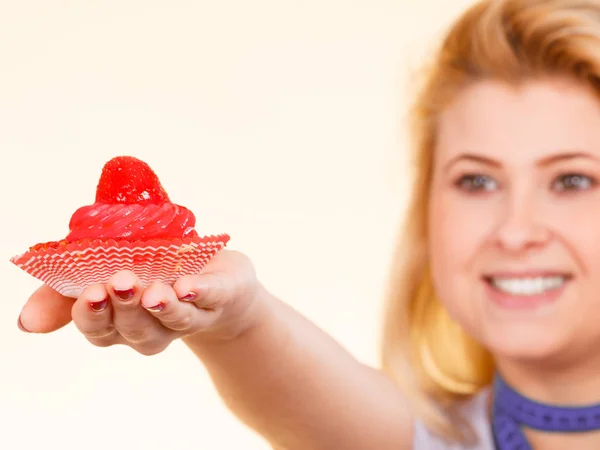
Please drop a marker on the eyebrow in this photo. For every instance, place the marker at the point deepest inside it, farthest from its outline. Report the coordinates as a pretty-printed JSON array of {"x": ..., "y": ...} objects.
[{"x": 552, "y": 159}]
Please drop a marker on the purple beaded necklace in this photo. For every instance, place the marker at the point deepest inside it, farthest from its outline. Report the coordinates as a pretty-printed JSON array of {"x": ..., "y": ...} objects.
[{"x": 512, "y": 411}]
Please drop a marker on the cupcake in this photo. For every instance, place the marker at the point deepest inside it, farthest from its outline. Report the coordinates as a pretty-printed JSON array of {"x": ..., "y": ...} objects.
[{"x": 132, "y": 225}]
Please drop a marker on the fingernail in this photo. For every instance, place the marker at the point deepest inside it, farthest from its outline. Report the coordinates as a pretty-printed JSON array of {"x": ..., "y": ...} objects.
[
  {"x": 125, "y": 294},
  {"x": 156, "y": 308},
  {"x": 190, "y": 296},
  {"x": 21, "y": 327},
  {"x": 99, "y": 306}
]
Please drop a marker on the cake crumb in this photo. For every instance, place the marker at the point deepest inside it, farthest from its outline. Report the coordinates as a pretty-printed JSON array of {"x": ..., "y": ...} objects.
[{"x": 185, "y": 248}]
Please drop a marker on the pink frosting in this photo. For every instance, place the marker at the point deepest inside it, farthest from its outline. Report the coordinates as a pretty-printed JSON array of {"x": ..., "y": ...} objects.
[{"x": 132, "y": 222}]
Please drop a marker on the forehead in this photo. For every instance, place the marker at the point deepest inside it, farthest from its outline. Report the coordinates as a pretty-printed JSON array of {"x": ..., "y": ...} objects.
[{"x": 520, "y": 124}]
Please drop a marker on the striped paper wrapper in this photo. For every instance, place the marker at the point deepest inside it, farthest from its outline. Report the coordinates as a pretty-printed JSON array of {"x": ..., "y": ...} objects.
[{"x": 70, "y": 268}]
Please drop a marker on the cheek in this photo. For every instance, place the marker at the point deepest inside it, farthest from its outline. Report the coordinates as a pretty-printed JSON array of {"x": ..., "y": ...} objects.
[
  {"x": 458, "y": 229},
  {"x": 577, "y": 226}
]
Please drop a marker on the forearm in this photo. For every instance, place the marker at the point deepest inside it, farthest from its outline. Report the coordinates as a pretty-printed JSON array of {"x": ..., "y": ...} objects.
[{"x": 296, "y": 386}]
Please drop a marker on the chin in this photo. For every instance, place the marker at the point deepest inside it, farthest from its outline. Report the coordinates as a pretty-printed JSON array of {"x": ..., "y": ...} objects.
[
  {"x": 525, "y": 342},
  {"x": 547, "y": 337},
  {"x": 542, "y": 329}
]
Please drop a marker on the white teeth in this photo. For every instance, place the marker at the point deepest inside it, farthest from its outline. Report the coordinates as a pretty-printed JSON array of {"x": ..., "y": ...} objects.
[{"x": 528, "y": 286}]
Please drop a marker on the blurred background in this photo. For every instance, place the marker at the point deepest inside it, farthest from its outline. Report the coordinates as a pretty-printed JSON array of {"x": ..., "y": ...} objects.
[{"x": 278, "y": 122}]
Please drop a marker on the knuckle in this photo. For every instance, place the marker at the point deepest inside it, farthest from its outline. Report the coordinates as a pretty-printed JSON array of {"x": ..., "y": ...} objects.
[
  {"x": 101, "y": 342},
  {"x": 150, "y": 350},
  {"x": 100, "y": 333},
  {"x": 181, "y": 322},
  {"x": 218, "y": 293},
  {"x": 103, "y": 337},
  {"x": 136, "y": 335}
]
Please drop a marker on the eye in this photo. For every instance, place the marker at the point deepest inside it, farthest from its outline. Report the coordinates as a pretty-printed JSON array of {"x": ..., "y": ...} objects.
[
  {"x": 573, "y": 182},
  {"x": 476, "y": 183}
]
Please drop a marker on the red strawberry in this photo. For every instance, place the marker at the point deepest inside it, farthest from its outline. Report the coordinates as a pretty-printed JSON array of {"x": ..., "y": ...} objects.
[{"x": 126, "y": 179}]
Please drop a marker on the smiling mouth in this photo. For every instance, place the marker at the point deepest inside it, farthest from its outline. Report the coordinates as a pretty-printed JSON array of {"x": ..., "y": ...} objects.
[{"x": 527, "y": 285}]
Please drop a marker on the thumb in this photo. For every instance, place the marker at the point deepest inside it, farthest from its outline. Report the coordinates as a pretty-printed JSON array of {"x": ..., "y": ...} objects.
[
  {"x": 206, "y": 291},
  {"x": 229, "y": 279},
  {"x": 46, "y": 311}
]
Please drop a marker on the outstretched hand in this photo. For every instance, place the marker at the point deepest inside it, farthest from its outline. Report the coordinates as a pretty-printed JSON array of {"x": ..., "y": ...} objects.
[{"x": 148, "y": 319}]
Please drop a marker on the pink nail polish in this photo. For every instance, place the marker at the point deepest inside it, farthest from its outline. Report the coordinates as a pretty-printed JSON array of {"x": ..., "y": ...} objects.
[
  {"x": 125, "y": 294},
  {"x": 99, "y": 306},
  {"x": 155, "y": 308},
  {"x": 189, "y": 297}
]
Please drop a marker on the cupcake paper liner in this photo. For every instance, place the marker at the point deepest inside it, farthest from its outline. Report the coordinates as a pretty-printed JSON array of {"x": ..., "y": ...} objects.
[{"x": 69, "y": 269}]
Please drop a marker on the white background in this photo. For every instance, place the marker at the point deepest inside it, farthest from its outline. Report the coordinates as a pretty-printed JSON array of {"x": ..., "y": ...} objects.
[{"x": 279, "y": 122}]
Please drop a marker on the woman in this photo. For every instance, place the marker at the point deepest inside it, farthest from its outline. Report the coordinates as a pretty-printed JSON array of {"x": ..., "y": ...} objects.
[{"x": 493, "y": 299}]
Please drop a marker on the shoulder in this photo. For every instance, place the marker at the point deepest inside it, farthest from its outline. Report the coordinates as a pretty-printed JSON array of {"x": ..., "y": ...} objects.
[{"x": 473, "y": 411}]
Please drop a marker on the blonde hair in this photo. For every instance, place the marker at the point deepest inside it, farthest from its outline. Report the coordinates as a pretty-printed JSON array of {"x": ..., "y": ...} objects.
[{"x": 423, "y": 349}]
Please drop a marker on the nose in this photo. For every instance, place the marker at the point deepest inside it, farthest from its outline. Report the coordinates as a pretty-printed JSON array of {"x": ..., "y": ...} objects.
[{"x": 520, "y": 226}]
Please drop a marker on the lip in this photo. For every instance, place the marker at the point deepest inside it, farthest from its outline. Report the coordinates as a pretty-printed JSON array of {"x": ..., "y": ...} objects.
[
  {"x": 524, "y": 302},
  {"x": 527, "y": 274}
]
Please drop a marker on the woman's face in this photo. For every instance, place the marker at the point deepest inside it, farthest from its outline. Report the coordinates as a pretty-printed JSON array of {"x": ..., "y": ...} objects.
[{"x": 515, "y": 217}]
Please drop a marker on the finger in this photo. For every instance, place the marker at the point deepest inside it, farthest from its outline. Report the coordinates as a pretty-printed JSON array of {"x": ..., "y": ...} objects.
[
  {"x": 228, "y": 276},
  {"x": 209, "y": 291},
  {"x": 227, "y": 259},
  {"x": 134, "y": 323},
  {"x": 46, "y": 311},
  {"x": 162, "y": 302},
  {"x": 92, "y": 315}
]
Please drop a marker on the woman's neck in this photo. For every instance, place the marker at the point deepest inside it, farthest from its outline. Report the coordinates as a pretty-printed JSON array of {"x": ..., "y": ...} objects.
[
  {"x": 562, "y": 386},
  {"x": 569, "y": 385}
]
